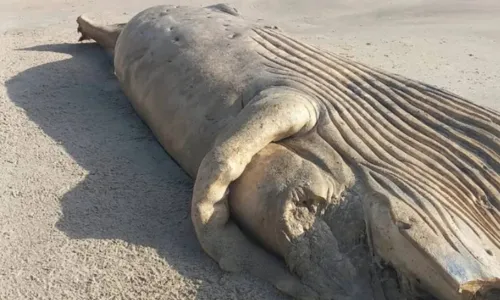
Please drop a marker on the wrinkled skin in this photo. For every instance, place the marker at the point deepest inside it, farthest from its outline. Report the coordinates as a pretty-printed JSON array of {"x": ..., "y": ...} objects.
[{"x": 361, "y": 180}]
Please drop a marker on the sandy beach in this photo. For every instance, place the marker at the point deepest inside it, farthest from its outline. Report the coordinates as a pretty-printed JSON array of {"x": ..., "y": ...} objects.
[{"x": 91, "y": 207}]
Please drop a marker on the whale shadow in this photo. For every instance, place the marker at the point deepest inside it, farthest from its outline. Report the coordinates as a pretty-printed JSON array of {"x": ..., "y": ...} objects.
[{"x": 133, "y": 190}]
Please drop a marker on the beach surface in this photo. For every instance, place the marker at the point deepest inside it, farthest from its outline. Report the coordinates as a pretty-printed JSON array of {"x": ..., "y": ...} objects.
[{"x": 91, "y": 207}]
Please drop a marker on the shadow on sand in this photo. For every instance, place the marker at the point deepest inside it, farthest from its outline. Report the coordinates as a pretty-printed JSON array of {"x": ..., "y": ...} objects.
[{"x": 134, "y": 191}]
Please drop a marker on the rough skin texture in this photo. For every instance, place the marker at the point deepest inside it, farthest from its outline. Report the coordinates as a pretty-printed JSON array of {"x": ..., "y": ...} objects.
[{"x": 330, "y": 164}]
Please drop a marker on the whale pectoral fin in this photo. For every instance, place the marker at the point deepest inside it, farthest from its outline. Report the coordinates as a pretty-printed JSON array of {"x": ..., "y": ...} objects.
[
  {"x": 275, "y": 114},
  {"x": 242, "y": 255}
]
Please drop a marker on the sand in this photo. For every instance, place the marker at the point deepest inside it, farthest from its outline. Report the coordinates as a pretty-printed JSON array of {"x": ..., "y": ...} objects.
[{"x": 91, "y": 207}]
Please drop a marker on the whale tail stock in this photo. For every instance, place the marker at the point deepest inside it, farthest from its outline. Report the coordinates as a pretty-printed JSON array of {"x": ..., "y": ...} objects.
[{"x": 105, "y": 35}]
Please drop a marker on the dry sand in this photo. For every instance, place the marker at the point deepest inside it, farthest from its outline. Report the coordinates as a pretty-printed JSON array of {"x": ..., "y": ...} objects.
[{"x": 92, "y": 208}]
